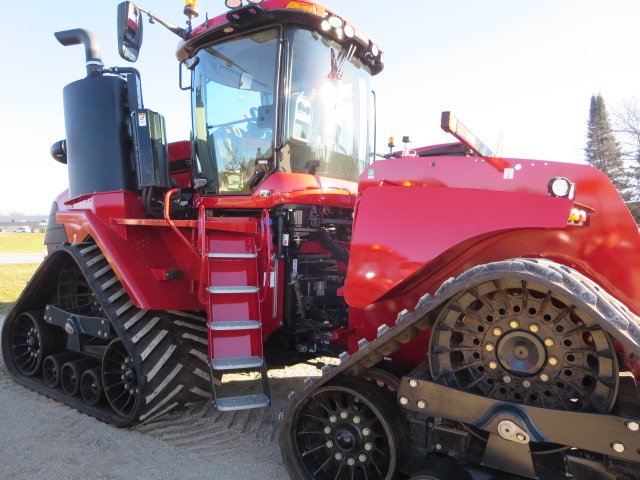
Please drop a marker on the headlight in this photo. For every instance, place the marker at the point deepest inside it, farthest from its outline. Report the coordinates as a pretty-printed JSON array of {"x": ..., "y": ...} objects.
[{"x": 561, "y": 187}]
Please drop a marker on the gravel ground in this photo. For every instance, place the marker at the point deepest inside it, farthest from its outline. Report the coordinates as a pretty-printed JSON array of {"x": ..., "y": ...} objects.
[{"x": 46, "y": 440}]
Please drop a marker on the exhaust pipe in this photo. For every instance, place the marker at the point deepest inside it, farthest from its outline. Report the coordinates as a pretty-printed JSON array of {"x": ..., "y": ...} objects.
[{"x": 80, "y": 36}]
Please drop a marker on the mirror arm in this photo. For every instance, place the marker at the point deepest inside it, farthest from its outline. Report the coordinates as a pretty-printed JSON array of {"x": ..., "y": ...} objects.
[{"x": 181, "y": 32}]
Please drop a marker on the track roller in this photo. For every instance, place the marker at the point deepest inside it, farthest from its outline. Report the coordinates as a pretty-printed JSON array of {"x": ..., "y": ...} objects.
[
  {"x": 91, "y": 387},
  {"x": 71, "y": 373},
  {"x": 53, "y": 365}
]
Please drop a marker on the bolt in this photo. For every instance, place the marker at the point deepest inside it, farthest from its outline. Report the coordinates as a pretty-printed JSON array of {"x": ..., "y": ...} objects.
[
  {"x": 121, "y": 377},
  {"x": 549, "y": 342},
  {"x": 553, "y": 361},
  {"x": 366, "y": 432},
  {"x": 618, "y": 447},
  {"x": 338, "y": 456},
  {"x": 526, "y": 383},
  {"x": 633, "y": 426},
  {"x": 506, "y": 379},
  {"x": 422, "y": 404},
  {"x": 329, "y": 444},
  {"x": 362, "y": 457},
  {"x": 404, "y": 400},
  {"x": 99, "y": 332},
  {"x": 368, "y": 446},
  {"x": 514, "y": 323},
  {"x": 521, "y": 437},
  {"x": 544, "y": 377},
  {"x": 356, "y": 419},
  {"x": 104, "y": 322},
  {"x": 497, "y": 331},
  {"x": 493, "y": 365},
  {"x": 327, "y": 430},
  {"x": 351, "y": 461},
  {"x": 413, "y": 383},
  {"x": 534, "y": 328},
  {"x": 489, "y": 347},
  {"x": 438, "y": 446},
  {"x": 333, "y": 419},
  {"x": 123, "y": 367}
]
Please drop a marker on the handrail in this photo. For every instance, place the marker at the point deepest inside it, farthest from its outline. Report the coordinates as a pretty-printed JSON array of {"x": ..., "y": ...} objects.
[
  {"x": 167, "y": 218},
  {"x": 265, "y": 221}
]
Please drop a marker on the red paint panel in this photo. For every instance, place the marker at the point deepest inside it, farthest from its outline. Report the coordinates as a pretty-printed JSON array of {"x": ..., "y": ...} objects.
[{"x": 422, "y": 223}]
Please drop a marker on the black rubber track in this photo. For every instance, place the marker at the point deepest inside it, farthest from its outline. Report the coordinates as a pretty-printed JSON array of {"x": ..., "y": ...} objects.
[
  {"x": 612, "y": 316},
  {"x": 168, "y": 349}
]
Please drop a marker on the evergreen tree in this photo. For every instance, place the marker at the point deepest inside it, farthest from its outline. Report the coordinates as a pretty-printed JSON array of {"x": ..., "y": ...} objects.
[{"x": 602, "y": 151}]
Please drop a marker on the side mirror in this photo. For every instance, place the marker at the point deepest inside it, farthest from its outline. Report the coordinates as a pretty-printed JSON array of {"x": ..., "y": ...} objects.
[{"x": 129, "y": 31}]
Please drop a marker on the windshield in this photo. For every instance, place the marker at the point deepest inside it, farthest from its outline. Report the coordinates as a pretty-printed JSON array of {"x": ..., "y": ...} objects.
[
  {"x": 234, "y": 112},
  {"x": 323, "y": 110},
  {"x": 328, "y": 114}
]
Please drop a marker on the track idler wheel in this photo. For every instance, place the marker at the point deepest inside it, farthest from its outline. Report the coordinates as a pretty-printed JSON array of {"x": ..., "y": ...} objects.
[
  {"x": 521, "y": 342},
  {"x": 71, "y": 373},
  {"x": 120, "y": 379},
  {"x": 348, "y": 428},
  {"x": 91, "y": 386},
  {"x": 52, "y": 366},
  {"x": 31, "y": 341}
]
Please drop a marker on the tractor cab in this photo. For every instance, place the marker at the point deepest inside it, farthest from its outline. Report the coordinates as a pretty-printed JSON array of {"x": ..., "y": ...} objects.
[{"x": 277, "y": 94}]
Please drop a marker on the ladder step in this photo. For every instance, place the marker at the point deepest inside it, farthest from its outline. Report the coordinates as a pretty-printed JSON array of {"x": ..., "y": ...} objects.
[
  {"x": 232, "y": 255},
  {"x": 239, "y": 325},
  {"x": 242, "y": 403},
  {"x": 236, "y": 363},
  {"x": 240, "y": 289}
]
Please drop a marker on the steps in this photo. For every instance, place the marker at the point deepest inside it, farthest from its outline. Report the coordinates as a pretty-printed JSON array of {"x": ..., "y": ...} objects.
[{"x": 235, "y": 326}]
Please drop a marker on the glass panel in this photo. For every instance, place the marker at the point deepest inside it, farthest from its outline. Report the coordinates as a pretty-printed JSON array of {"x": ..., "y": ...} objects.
[
  {"x": 234, "y": 112},
  {"x": 328, "y": 109}
]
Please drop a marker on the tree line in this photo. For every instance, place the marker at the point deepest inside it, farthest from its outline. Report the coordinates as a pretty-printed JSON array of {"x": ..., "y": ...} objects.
[{"x": 613, "y": 145}]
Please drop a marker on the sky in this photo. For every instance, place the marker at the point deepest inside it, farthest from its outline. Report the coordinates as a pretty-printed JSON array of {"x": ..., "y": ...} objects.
[{"x": 519, "y": 74}]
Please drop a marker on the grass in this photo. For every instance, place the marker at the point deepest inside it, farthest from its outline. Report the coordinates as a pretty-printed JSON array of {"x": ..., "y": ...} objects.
[
  {"x": 13, "y": 279},
  {"x": 21, "y": 242}
]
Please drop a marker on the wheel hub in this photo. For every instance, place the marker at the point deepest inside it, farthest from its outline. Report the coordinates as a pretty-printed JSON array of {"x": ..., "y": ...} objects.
[
  {"x": 521, "y": 352},
  {"x": 345, "y": 438}
]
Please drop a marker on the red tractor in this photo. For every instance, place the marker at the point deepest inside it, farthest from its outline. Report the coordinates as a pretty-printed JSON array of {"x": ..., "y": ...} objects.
[{"x": 484, "y": 310}]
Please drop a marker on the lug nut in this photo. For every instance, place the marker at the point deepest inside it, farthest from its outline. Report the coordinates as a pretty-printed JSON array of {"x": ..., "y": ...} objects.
[
  {"x": 526, "y": 383},
  {"x": 362, "y": 457},
  {"x": 368, "y": 446},
  {"x": 329, "y": 444},
  {"x": 327, "y": 430},
  {"x": 366, "y": 432},
  {"x": 351, "y": 461},
  {"x": 506, "y": 379},
  {"x": 493, "y": 365},
  {"x": 404, "y": 400},
  {"x": 633, "y": 426},
  {"x": 544, "y": 377},
  {"x": 549, "y": 342},
  {"x": 534, "y": 328},
  {"x": 338, "y": 456},
  {"x": 438, "y": 446},
  {"x": 422, "y": 404},
  {"x": 356, "y": 419},
  {"x": 514, "y": 323},
  {"x": 553, "y": 361},
  {"x": 343, "y": 415},
  {"x": 413, "y": 383},
  {"x": 489, "y": 347},
  {"x": 333, "y": 419},
  {"x": 618, "y": 447},
  {"x": 497, "y": 331}
]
